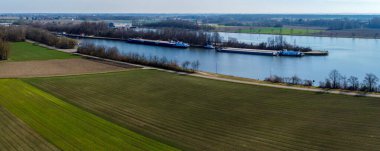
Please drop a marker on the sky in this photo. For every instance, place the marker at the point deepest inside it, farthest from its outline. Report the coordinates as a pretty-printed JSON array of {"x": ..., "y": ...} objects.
[{"x": 193, "y": 6}]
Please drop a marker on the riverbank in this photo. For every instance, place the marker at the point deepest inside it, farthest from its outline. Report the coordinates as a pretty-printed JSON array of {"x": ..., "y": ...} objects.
[
  {"x": 242, "y": 80},
  {"x": 91, "y": 37},
  {"x": 347, "y": 33},
  {"x": 250, "y": 81},
  {"x": 283, "y": 86},
  {"x": 270, "y": 30}
]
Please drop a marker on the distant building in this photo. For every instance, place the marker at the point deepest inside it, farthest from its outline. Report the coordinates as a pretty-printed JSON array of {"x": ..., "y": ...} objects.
[
  {"x": 5, "y": 24},
  {"x": 120, "y": 25}
]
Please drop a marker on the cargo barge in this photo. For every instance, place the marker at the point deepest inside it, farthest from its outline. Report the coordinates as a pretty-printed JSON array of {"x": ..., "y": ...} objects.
[
  {"x": 248, "y": 51},
  {"x": 288, "y": 53},
  {"x": 174, "y": 44}
]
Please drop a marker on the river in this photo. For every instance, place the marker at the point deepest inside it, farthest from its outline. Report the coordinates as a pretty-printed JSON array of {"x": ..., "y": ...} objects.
[{"x": 351, "y": 57}]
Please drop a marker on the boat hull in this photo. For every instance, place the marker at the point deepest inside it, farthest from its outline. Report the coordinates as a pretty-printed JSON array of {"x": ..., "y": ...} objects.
[
  {"x": 156, "y": 43},
  {"x": 262, "y": 53}
]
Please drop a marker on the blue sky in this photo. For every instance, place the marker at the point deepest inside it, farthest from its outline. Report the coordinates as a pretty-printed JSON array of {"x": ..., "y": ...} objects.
[{"x": 191, "y": 6}]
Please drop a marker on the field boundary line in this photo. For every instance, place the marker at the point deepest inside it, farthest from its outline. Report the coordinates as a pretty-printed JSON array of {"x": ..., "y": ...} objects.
[
  {"x": 65, "y": 75},
  {"x": 287, "y": 87},
  {"x": 51, "y": 47}
]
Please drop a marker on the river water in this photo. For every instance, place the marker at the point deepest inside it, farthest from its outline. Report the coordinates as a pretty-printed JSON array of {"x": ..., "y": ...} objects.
[{"x": 351, "y": 57}]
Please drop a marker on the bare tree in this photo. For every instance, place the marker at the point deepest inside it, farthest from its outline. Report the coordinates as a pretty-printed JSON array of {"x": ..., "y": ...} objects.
[
  {"x": 295, "y": 80},
  {"x": 344, "y": 82},
  {"x": 195, "y": 65},
  {"x": 216, "y": 39},
  {"x": 307, "y": 83},
  {"x": 353, "y": 83},
  {"x": 335, "y": 78},
  {"x": 370, "y": 82},
  {"x": 4, "y": 50},
  {"x": 327, "y": 84},
  {"x": 186, "y": 65}
]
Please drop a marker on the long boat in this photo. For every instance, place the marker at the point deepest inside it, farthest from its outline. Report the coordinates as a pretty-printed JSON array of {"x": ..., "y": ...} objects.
[
  {"x": 289, "y": 53},
  {"x": 174, "y": 44},
  {"x": 248, "y": 51}
]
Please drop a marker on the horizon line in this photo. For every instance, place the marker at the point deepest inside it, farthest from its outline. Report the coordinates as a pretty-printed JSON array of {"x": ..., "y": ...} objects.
[{"x": 158, "y": 13}]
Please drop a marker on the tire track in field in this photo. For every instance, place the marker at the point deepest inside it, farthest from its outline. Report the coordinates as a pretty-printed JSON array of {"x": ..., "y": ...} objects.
[
  {"x": 16, "y": 135},
  {"x": 199, "y": 114},
  {"x": 116, "y": 108}
]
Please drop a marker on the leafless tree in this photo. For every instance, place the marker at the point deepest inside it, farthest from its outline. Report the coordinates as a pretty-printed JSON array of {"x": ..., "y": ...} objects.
[
  {"x": 344, "y": 82},
  {"x": 296, "y": 80},
  {"x": 335, "y": 78},
  {"x": 4, "y": 50},
  {"x": 185, "y": 65},
  {"x": 353, "y": 83},
  {"x": 195, "y": 65},
  {"x": 370, "y": 82}
]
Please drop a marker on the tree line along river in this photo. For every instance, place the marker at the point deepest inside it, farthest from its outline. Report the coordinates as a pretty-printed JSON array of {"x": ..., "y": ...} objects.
[{"x": 351, "y": 57}]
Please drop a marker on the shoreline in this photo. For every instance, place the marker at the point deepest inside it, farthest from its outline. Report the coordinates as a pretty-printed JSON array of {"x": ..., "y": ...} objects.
[
  {"x": 316, "y": 36},
  {"x": 241, "y": 80},
  {"x": 311, "y": 53}
]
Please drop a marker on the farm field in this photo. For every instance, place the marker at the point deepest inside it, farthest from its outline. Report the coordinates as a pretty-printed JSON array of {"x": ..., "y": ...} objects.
[
  {"x": 16, "y": 135},
  {"x": 279, "y": 31},
  {"x": 28, "y": 60},
  {"x": 200, "y": 114},
  {"x": 64, "y": 125},
  {"x": 59, "y": 67},
  {"x": 24, "y": 51}
]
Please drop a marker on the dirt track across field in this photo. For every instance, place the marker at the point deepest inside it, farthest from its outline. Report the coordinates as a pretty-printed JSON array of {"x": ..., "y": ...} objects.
[{"x": 56, "y": 68}]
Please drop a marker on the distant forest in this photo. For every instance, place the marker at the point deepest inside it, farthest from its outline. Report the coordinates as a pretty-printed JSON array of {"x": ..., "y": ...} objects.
[
  {"x": 331, "y": 22},
  {"x": 184, "y": 24},
  {"x": 202, "y": 23}
]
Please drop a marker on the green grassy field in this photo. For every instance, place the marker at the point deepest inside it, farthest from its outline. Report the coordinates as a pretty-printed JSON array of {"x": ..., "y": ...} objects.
[
  {"x": 200, "y": 114},
  {"x": 64, "y": 125},
  {"x": 279, "y": 31},
  {"x": 16, "y": 135},
  {"x": 23, "y": 51}
]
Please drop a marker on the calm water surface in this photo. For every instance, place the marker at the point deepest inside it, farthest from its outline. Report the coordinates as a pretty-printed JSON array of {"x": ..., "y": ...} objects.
[{"x": 349, "y": 56}]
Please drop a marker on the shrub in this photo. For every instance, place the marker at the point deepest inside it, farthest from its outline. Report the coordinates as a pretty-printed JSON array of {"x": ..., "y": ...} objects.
[
  {"x": 275, "y": 79},
  {"x": 4, "y": 50},
  {"x": 154, "y": 61},
  {"x": 66, "y": 43},
  {"x": 20, "y": 33},
  {"x": 294, "y": 80},
  {"x": 308, "y": 83},
  {"x": 15, "y": 34}
]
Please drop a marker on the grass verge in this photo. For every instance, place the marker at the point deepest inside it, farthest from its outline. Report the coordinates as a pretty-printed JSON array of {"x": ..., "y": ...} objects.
[
  {"x": 279, "y": 31},
  {"x": 67, "y": 126},
  {"x": 24, "y": 51},
  {"x": 200, "y": 114}
]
